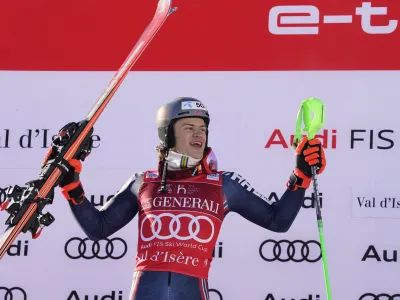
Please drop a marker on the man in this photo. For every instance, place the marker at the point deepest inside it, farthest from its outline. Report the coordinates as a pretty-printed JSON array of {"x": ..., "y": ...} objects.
[{"x": 182, "y": 204}]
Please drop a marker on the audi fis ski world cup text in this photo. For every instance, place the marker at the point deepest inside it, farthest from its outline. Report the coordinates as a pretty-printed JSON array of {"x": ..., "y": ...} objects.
[
  {"x": 371, "y": 139},
  {"x": 113, "y": 295},
  {"x": 305, "y": 19},
  {"x": 19, "y": 248},
  {"x": 99, "y": 200},
  {"x": 380, "y": 255},
  {"x": 309, "y": 201},
  {"x": 280, "y": 139},
  {"x": 272, "y": 296}
]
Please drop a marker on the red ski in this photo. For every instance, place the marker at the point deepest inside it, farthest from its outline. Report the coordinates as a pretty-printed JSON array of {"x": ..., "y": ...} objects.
[{"x": 25, "y": 204}]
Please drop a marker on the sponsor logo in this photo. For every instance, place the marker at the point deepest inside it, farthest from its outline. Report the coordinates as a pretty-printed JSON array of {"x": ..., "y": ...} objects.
[
  {"x": 296, "y": 251},
  {"x": 192, "y": 230},
  {"x": 168, "y": 187},
  {"x": 210, "y": 205},
  {"x": 151, "y": 175},
  {"x": 187, "y": 189},
  {"x": 215, "y": 294},
  {"x": 20, "y": 248},
  {"x": 244, "y": 183},
  {"x": 376, "y": 207},
  {"x": 181, "y": 188},
  {"x": 376, "y": 139},
  {"x": 99, "y": 200},
  {"x": 328, "y": 139},
  {"x": 193, "y": 105},
  {"x": 309, "y": 297},
  {"x": 213, "y": 177},
  {"x": 114, "y": 295},
  {"x": 305, "y": 19},
  {"x": 217, "y": 252},
  {"x": 382, "y": 296},
  {"x": 178, "y": 202},
  {"x": 369, "y": 139},
  {"x": 308, "y": 201},
  {"x": 114, "y": 248},
  {"x": 381, "y": 256},
  {"x": 14, "y": 293}
]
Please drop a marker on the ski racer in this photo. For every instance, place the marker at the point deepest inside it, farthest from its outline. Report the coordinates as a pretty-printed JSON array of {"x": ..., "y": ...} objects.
[{"x": 182, "y": 203}]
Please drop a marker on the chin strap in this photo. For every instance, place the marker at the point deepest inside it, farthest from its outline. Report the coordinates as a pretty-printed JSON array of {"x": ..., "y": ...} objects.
[{"x": 163, "y": 187}]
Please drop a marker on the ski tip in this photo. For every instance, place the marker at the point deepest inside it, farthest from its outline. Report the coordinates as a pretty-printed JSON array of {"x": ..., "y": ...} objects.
[
  {"x": 8, "y": 228},
  {"x": 37, "y": 234},
  {"x": 4, "y": 205},
  {"x": 173, "y": 9}
]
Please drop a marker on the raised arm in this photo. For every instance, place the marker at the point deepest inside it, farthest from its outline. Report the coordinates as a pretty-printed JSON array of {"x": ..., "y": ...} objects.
[
  {"x": 114, "y": 215},
  {"x": 243, "y": 199}
]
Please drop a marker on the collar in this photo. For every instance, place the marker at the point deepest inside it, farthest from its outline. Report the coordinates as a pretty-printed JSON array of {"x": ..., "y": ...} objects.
[
  {"x": 177, "y": 161},
  {"x": 207, "y": 165}
]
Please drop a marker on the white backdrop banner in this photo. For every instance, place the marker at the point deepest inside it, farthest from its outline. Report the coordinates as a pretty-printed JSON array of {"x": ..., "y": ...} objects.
[{"x": 253, "y": 116}]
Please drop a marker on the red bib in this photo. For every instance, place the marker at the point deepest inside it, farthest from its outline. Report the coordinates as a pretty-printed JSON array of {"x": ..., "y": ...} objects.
[{"x": 177, "y": 231}]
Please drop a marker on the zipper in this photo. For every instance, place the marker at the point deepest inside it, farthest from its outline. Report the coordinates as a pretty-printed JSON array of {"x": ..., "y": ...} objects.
[{"x": 169, "y": 278}]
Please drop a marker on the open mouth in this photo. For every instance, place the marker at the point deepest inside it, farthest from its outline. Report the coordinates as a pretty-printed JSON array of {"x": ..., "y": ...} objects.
[{"x": 196, "y": 144}]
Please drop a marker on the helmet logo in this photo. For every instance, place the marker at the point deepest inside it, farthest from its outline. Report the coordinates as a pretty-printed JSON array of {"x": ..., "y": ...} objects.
[
  {"x": 193, "y": 105},
  {"x": 186, "y": 105}
]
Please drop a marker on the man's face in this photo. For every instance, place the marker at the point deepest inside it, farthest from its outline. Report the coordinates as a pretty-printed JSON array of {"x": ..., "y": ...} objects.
[{"x": 190, "y": 137}]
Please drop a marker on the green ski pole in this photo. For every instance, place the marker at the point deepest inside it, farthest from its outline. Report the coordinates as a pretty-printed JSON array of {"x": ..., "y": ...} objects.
[{"x": 312, "y": 126}]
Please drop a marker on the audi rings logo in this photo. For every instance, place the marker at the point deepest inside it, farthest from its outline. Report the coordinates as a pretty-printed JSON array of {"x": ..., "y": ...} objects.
[
  {"x": 194, "y": 227},
  {"x": 215, "y": 294},
  {"x": 114, "y": 248},
  {"x": 15, "y": 293},
  {"x": 296, "y": 251},
  {"x": 383, "y": 296}
]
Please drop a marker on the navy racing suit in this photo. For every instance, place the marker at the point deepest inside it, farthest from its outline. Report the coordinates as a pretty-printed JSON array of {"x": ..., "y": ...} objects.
[{"x": 240, "y": 198}]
